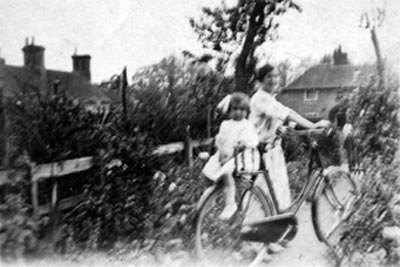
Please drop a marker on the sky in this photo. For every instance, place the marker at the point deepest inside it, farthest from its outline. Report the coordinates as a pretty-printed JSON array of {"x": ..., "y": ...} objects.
[{"x": 135, "y": 33}]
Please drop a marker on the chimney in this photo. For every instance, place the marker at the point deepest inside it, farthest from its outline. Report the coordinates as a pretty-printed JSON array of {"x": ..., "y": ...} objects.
[
  {"x": 33, "y": 54},
  {"x": 2, "y": 60},
  {"x": 81, "y": 64},
  {"x": 339, "y": 58}
]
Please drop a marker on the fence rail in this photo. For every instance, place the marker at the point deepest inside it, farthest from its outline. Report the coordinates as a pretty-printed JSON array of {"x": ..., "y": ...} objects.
[{"x": 38, "y": 173}]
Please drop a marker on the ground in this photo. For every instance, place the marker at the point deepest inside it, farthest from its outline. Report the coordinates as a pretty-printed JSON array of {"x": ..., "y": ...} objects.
[{"x": 305, "y": 250}]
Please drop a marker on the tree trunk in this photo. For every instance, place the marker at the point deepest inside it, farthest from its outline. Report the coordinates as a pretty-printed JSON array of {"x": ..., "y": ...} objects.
[
  {"x": 242, "y": 71},
  {"x": 124, "y": 85},
  {"x": 2, "y": 130},
  {"x": 378, "y": 58}
]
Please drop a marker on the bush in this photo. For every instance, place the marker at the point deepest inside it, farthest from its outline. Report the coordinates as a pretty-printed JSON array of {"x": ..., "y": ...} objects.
[
  {"x": 373, "y": 113},
  {"x": 374, "y": 116},
  {"x": 53, "y": 129},
  {"x": 174, "y": 94},
  {"x": 114, "y": 210},
  {"x": 117, "y": 197},
  {"x": 19, "y": 231},
  {"x": 371, "y": 212},
  {"x": 173, "y": 205}
]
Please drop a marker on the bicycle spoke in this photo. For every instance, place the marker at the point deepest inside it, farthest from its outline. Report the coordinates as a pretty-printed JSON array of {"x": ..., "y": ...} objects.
[{"x": 334, "y": 227}]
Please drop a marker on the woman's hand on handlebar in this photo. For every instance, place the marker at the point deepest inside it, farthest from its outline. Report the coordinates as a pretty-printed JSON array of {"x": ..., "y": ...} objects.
[
  {"x": 282, "y": 130},
  {"x": 323, "y": 124}
]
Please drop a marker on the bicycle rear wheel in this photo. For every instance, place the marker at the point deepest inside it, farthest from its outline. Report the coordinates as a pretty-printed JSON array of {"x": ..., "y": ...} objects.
[
  {"x": 333, "y": 203},
  {"x": 219, "y": 241}
]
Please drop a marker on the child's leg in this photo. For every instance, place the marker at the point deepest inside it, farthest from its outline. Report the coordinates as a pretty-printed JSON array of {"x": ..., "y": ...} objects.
[
  {"x": 230, "y": 203},
  {"x": 230, "y": 189}
]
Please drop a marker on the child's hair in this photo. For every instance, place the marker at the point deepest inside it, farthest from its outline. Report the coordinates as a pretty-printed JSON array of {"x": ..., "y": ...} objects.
[
  {"x": 264, "y": 70},
  {"x": 239, "y": 99}
]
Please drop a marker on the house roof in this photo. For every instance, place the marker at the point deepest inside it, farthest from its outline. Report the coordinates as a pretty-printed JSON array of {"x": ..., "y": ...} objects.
[
  {"x": 326, "y": 76},
  {"x": 73, "y": 84},
  {"x": 76, "y": 86}
]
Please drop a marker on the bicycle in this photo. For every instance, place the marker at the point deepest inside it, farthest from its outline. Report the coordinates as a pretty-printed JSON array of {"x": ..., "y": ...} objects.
[{"x": 244, "y": 236}]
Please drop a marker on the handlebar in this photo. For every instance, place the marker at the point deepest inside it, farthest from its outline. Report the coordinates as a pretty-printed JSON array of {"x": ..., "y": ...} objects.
[{"x": 308, "y": 132}]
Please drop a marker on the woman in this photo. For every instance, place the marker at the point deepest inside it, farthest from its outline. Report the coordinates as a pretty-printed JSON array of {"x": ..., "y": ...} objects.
[{"x": 268, "y": 115}]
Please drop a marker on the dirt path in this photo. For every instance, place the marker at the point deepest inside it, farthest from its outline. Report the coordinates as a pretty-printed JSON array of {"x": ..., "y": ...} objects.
[{"x": 305, "y": 250}]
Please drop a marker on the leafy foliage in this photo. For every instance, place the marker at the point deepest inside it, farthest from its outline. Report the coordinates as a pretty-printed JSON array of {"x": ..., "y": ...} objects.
[
  {"x": 116, "y": 196},
  {"x": 18, "y": 231},
  {"x": 172, "y": 95},
  {"x": 374, "y": 115},
  {"x": 114, "y": 210},
  {"x": 373, "y": 110},
  {"x": 173, "y": 209},
  {"x": 371, "y": 211},
  {"x": 53, "y": 129}
]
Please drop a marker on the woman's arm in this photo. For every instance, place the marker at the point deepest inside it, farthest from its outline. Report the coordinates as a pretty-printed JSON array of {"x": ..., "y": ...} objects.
[{"x": 300, "y": 120}]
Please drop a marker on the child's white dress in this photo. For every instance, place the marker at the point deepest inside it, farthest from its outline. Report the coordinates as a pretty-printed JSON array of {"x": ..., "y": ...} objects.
[
  {"x": 230, "y": 133},
  {"x": 267, "y": 114}
]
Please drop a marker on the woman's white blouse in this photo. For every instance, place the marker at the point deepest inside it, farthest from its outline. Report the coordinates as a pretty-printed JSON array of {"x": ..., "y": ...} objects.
[{"x": 267, "y": 114}]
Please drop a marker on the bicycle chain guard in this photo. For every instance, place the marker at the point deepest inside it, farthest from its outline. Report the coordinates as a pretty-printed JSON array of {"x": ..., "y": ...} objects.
[{"x": 271, "y": 229}]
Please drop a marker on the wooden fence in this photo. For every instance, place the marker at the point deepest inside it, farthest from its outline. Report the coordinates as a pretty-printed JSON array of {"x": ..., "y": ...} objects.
[{"x": 39, "y": 173}]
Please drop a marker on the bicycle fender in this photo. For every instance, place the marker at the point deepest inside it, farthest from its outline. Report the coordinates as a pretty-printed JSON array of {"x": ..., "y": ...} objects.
[{"x": 206, "y": 194}]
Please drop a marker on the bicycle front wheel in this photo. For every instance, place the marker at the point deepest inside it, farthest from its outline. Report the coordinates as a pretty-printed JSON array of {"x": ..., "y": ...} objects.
[
  {"x": 333, "y": 203},
  {"x": 218, "y": 240}
]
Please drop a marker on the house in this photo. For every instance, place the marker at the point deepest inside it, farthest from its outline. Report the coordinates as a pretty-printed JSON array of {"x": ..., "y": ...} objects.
[
  {"x": 33, "y": 77},
  {"x": 315, "y": 93}
]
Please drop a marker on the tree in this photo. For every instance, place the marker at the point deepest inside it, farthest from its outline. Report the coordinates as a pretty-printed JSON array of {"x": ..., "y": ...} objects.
[
  {"x": 241, "y": 29},
  {"x": 175, "y": 93},
  {"x": 372, "y": 20}
]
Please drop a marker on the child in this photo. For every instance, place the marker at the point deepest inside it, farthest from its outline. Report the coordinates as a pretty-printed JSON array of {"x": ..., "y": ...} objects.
[{"x": 237, "y": 131}]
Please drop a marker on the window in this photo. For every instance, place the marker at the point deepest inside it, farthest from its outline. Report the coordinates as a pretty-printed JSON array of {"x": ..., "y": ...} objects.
[{"x": 311, "y": 95}]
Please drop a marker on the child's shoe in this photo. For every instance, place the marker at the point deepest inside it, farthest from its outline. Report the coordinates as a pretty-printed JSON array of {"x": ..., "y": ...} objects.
[
  {"x": 285, "y": 243},
  {"x": 274, "y": 248},
  {"x": 228, "y": 211}
]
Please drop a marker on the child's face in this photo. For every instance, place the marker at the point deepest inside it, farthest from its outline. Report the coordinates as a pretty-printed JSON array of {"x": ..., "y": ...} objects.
[
  {"x": 270, "y": 83},
  {"x": 238, "y": 112}
]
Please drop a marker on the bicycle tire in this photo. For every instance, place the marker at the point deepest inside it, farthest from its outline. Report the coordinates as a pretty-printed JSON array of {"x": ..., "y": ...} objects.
[
  {"x": 219, "y": 241},
  {"x": 332, "y": 204}
]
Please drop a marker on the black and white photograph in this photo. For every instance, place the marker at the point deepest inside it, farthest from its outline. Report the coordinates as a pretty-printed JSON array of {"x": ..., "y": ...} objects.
[{"x": 237, "y": 133}]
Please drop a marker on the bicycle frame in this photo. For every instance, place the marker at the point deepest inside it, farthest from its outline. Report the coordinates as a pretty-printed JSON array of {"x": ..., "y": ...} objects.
[
  {"x": 312, "y": 180},
  {"x": 307, "y": 189}
]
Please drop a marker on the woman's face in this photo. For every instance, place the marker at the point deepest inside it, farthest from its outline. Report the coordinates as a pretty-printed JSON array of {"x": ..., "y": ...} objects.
[{"x": 270, "y": 83}]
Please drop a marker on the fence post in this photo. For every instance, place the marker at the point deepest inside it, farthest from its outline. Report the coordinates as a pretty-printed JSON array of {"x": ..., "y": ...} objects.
[
  {"x": 208, "y": 122},
  {"x": 209, "y": 127},
  {"x": 54, "y": 211},
  {"x": 35, "y": 196},
  {"x": 188, "y": 148},
  {"x": 34, "y": 188}
]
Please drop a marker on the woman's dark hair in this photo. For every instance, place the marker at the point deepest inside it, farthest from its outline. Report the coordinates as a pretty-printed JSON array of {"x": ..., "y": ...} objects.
[
  {"x": 239, "y": 98},
  {"x": 264, "y": 70}
]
